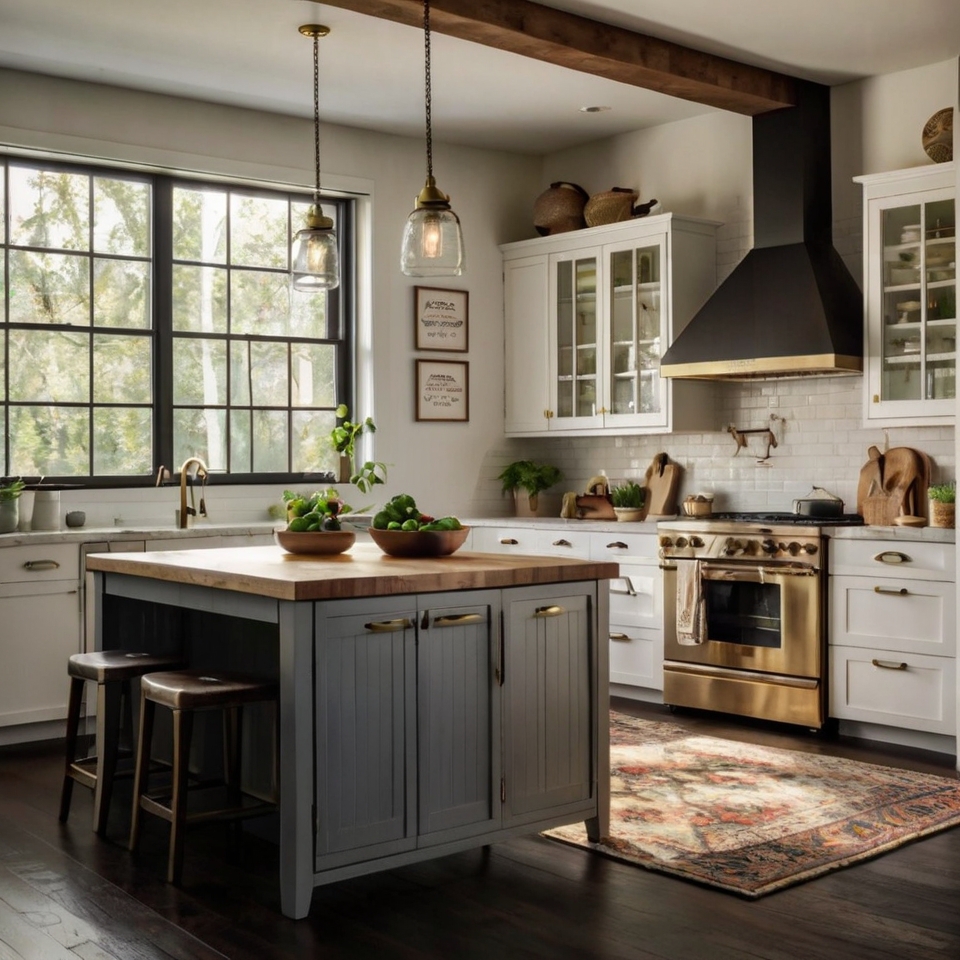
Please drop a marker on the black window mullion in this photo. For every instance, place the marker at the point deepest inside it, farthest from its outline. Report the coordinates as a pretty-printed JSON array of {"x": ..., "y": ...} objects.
[{"x": 163, "y": 322}]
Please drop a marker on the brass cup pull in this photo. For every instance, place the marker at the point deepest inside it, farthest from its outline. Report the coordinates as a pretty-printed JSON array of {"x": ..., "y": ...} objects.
[
  {"x": 36, "y": 565},
  {"x": 620, "y": 637},
  {"x": 902, "y": 592},
  {"x": 892, "y": 556},
  {"x": 388, "y": 626},
  {"x": 549, "y": 611},
  {"x": 509, "y": 541},
  {"x": 889, "y": 664},
  {"x": 617, "y": 545},
  {"x": 457, "y": 619},
  {"x": 561, "y": 543}
]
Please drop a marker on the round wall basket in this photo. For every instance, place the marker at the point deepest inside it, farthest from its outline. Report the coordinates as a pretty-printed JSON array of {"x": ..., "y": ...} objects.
[
  {"x": 559, "y": 209},
  {"x": 938, "y": 136}
]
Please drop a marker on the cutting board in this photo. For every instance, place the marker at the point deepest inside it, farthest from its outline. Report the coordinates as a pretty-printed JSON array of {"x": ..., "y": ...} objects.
[
  {"x": 871, "y": 479},
  {"x": 893, "y": 484},
  {"x": 662, "y": 482}
]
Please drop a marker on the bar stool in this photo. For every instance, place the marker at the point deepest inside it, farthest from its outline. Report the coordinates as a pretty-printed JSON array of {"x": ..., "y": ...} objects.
[
  {"x": 112, "y": 671},
  {"x": 185, "y": 692}
]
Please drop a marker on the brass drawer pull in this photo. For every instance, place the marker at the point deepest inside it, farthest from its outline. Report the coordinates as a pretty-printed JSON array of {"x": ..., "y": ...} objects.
[
  {"x": 617, "y": 545},
  {"x": 509, "y": 541},
  {"x": 889, "y": 664},
  {"x": 457, "y": 619},
  {"x": 36, "y": 565},
  {"x": 620, "y": 637},
  {"x": 388, "y": 626},
  {"x": 561, "y": 543},
  {"x": 549, "y": 611},
  {"x": 902, "y": 592},
  {"x": 892, "y": 556}
]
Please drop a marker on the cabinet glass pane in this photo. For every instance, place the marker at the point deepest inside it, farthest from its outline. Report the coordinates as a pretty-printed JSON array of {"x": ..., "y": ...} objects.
[
  {"x": 576, "y": 321},
  {"x": 919, "y": 302}
]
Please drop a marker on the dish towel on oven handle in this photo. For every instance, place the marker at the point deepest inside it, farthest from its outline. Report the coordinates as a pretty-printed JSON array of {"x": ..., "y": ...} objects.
[{"x": 689, "y": 604}]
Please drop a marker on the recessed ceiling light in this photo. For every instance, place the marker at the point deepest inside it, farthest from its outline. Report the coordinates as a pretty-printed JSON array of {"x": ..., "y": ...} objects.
[{"x": 594, "y": 109}]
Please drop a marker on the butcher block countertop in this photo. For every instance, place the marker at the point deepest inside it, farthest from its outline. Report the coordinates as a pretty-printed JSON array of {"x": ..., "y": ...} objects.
[{"x": 364, "y": 571}]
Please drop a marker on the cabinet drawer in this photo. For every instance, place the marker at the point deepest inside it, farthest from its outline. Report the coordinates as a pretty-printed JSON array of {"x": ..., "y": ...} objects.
[
  {"x": 909, "y": 690},
  {"x": 51, "y": 561},
  {"x": 636, "y": 596},
  {"x": 636, "y": 656},
  {"x": 623, "y": 547},
  {"x": 504, "y": 540},
  {"x": 901, "y": 559},
  {"x": 563, "y": 543},
  {"x": 912, "y": 616}
]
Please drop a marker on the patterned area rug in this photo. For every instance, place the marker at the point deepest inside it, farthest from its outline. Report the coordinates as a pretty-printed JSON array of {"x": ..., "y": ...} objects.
[{"x": 751, "y": 819}]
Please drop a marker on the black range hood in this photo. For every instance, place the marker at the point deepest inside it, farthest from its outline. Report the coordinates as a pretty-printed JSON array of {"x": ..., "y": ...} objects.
[{"x": 790, "y": 308}]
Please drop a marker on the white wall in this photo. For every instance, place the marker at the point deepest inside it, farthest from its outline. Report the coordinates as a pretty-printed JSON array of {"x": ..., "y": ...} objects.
[
  {"x": 491, "y": 191},
  {"x": 703, "y": 167}
]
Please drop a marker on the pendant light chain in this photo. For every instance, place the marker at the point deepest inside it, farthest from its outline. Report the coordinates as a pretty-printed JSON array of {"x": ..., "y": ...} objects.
[
  {"x": 316, "y": 114},
  {"x": 427, "y": 91}
]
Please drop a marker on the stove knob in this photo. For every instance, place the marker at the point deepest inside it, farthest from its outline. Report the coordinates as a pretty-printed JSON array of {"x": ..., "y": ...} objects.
[
  {"x": 810, "y": 547},
  {"x": 732, "y": 547},
  {"x": 681, "y": 542},
  {"x": 794, "y": 548},
  {"x": 768, "y": 546},
  {"x": 666, "y": 542},
  {"x": 696, "y": 542}
]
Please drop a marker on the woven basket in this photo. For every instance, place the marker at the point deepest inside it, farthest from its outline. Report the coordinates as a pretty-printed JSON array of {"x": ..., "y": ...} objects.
[
  {"x": 559, "y": 209},
  {"x": 938, "y": 136},
  {"x": 612, "y": 206}
]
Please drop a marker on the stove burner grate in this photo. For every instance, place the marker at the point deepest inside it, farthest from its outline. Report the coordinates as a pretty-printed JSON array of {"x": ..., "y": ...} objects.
[{"x": 791, "y": 519}]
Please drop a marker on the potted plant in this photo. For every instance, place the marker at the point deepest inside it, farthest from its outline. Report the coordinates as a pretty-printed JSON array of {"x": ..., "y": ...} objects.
[
  {"x": 628, "y": 500},
  {"x": 942, "y": 504},
  {"x": 532, "y": 478},
  {"x": 343, "y": 439},
  {"x": 10, "y": 491}
]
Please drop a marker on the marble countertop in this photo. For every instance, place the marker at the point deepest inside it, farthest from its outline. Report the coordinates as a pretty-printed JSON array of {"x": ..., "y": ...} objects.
[{"x": 135, "y": 531}]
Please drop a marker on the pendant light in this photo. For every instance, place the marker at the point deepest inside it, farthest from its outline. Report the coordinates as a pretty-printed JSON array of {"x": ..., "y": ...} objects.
[
  {"x": 315, "y": 258},
  {"x": 432, "y": 239}
]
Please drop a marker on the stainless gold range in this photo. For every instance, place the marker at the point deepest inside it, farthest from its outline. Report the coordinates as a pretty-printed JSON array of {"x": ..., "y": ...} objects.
[{"x": 744, "y": 615}]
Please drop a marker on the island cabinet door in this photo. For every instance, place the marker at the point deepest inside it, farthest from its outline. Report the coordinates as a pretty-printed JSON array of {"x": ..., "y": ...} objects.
[
  {"x": 548, "y": 707},
  {"x": 458, "y": 712},
  {"x": 366, "y": 729}
]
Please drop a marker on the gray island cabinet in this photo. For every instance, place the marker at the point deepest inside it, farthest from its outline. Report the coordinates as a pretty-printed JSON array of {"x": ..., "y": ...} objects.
[{"x": 426, "y": 705}]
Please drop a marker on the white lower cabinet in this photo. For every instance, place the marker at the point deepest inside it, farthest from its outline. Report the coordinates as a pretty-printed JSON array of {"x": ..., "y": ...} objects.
[
  {"x": 893, "y": 634},
  {"x": 40, "y": 612},
  {"x": 636, "y": 596}
]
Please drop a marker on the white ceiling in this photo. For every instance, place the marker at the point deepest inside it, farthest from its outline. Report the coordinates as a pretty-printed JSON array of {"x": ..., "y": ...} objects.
[{"x": 249, "y": 53}]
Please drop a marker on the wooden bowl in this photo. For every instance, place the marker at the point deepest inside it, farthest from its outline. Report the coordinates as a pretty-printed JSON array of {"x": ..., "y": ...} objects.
[
  {"x": 419, "y": 543},
  {"x": 326, "y": 542}
]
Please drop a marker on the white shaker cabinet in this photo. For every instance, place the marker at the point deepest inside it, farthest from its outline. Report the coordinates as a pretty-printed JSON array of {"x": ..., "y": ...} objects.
[
  {"x": 910, "y": 291},
  {"x": 893, "y": 634},
  {"x": 588, "y": 314},
  {"x": 40, "y": 613}
]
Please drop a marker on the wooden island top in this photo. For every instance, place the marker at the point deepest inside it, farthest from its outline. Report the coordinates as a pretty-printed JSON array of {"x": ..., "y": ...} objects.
[{"x": 363, "y": 571}]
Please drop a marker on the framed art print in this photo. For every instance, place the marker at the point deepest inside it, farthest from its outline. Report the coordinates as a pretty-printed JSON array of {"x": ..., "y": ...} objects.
[
  {"x": 441, "y": 319},
  {"x": 442, "y": 390}
]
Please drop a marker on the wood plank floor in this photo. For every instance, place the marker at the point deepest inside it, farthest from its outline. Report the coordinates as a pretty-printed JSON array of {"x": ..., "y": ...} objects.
[{"x": 65, "y": 894}]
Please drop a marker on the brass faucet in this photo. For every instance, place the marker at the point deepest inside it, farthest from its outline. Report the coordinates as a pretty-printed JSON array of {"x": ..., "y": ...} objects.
[{"x": 201, "y": 475}]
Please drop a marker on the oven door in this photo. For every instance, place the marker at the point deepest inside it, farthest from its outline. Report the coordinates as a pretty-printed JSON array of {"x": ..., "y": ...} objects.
[{"x": 758, "y": 617}]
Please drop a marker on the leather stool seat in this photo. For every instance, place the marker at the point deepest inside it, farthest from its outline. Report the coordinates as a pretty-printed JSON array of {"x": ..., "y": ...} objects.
[
  {"x": 184, "y": 693},
  {"x": 112, "y": 671}
]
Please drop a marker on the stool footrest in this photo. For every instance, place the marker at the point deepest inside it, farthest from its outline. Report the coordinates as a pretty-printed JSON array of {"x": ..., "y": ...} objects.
[{"x": 156, "y": 805}]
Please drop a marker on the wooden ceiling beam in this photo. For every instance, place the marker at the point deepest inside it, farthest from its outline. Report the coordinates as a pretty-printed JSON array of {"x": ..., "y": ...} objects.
[{"x": 567, "y": 40}]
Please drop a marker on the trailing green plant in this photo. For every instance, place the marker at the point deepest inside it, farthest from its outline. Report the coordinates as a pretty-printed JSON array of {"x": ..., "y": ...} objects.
[
  {"x": 628, "y": 494},
  {"x": 11, "y": 489},
  {"x": 370, "y": 474},
  {"x": 943, "y": 492},
  {"x": 344, "y": 436},
  {"x": 530, "y": 476}
]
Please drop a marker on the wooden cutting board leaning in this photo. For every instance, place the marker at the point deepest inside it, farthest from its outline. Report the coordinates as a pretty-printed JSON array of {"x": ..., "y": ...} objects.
[
  {"x": 662, "y": 480},
  {"x": 893, "y": 485}
]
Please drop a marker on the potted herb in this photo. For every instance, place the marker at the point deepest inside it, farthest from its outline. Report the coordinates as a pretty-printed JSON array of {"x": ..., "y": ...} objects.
[
  {"x": 10, "y": 491},
  {"x": 942, "y": 504},
  {"x": 343, "y": 439},
  {"x": 628, "y": 500},
  {"x": 532, "y": 478}
]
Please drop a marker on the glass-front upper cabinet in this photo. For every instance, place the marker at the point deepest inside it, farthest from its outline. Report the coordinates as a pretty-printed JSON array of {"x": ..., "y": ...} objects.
[{"x": 910, "y": 250}]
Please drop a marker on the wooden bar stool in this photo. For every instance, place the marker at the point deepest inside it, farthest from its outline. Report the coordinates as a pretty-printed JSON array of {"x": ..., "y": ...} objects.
[
  {"x": 112, "y": 671},
  {"x": 185, "y": 692}
]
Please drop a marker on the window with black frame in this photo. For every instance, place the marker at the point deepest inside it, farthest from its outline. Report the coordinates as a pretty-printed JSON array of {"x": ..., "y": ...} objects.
[{"x": 146, "y": 320}]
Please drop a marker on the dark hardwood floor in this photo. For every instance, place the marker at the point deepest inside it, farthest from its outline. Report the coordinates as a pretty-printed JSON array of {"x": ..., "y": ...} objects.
[{"x": 66, "y": 895}]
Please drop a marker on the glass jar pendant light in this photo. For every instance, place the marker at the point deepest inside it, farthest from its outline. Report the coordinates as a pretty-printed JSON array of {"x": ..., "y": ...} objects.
[
  {"x": 432, "y": 239},
  {"x": 315, "y": 257}
]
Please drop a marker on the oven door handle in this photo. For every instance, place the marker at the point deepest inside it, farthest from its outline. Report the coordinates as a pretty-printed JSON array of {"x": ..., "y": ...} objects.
[{"x": 754, "y": 574}]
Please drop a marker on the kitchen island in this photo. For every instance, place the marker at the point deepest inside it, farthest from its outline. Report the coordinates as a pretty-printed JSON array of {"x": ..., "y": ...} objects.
[{"x": 426, "y": 705}]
